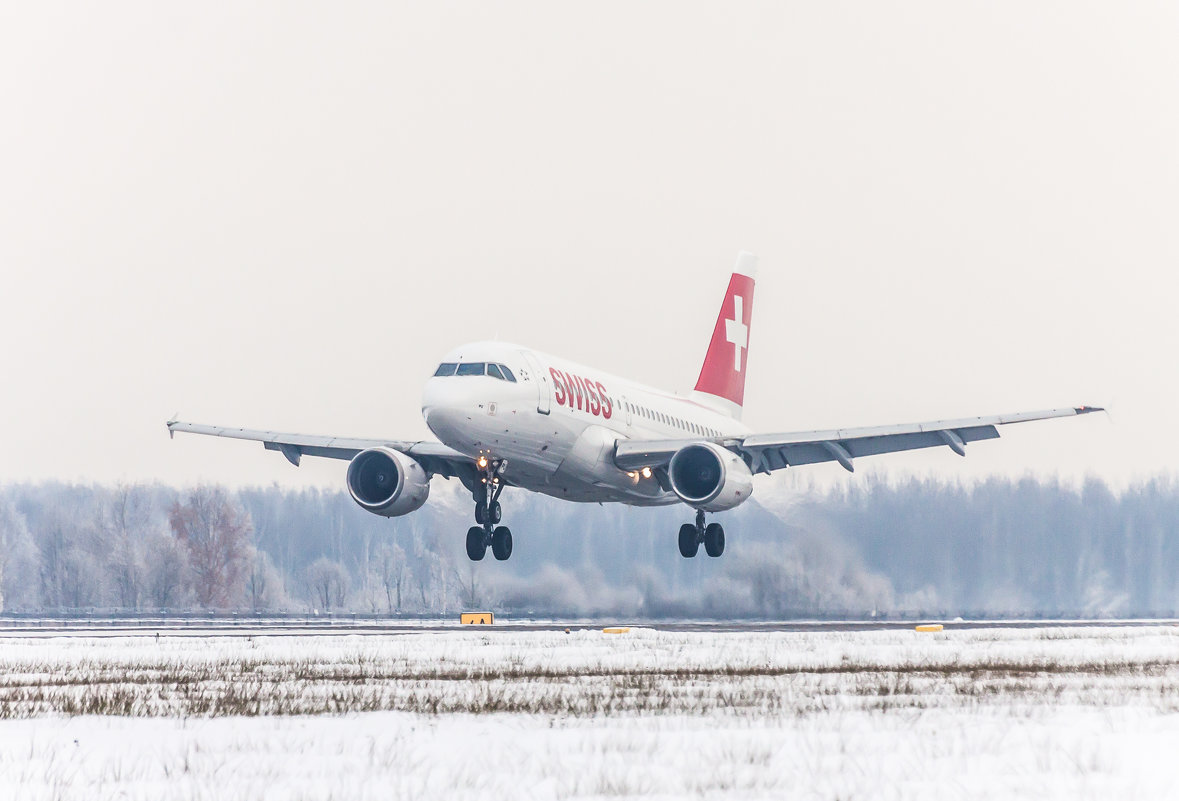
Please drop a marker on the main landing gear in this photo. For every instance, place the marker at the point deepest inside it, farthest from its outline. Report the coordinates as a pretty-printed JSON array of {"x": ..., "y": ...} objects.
[
  {"x": 712, "y": 535},
  {"x": 487, "y": 514}
]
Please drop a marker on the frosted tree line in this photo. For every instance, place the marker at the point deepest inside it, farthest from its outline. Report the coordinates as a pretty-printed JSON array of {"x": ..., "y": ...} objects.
[{"x": 867, "y": 547}]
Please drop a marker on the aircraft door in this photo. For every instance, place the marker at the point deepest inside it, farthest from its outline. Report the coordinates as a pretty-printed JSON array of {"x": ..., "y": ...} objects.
[
  {"x": 544, "y": 393},
  {"x": 626, "y": 408}
]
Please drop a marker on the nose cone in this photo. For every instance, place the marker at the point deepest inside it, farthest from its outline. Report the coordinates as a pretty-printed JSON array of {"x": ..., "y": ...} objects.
[{"x": 445, "y": 406}]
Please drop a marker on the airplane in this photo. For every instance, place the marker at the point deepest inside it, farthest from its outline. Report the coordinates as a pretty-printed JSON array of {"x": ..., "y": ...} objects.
[{"x": 510, "y": 416}]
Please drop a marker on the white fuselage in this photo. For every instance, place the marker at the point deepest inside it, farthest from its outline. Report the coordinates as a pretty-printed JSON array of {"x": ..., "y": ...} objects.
[{"x": 557, "y": 423}]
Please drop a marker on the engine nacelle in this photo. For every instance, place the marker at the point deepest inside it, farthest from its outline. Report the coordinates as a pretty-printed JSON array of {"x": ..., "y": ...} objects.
[
  {"x": 709, "y": 477},
  {"x": 387, "y": 482}
]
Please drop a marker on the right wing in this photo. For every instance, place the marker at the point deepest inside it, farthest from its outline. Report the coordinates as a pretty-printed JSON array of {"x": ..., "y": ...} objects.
[
  {"x": 766, "y": 452},
  {"x": 433, "y": 456}
]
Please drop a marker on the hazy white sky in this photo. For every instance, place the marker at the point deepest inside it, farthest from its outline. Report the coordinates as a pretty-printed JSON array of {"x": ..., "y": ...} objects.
[{"x": 281, "y": 214}]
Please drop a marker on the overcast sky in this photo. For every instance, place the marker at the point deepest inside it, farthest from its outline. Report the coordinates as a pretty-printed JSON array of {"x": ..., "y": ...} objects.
[{"x": 280, "y": 215}]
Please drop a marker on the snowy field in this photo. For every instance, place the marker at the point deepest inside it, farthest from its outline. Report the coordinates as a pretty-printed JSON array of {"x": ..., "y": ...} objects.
[{"x": 985, "y": 713}]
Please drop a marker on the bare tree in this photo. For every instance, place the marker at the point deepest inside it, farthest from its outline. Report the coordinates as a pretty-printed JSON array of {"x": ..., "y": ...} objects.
[
  {"x": 433, "y": 578},
  {"x": 165, "y": 571},
  {"x": 67, "y": 576},
  {"x": 264, "y": 584},
  {"x": 329, "y": 583},
  {"x": 471, "y": 591},
  {"x": 216, "y": 533},
  {"x": 392, "y": 571},
  {"x": 123, "y": 522},
  {"x": 17, "y": 557}
]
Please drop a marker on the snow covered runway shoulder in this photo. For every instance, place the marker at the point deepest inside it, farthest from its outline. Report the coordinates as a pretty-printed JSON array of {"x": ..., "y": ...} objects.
[{"x": 1045, "y": 713}]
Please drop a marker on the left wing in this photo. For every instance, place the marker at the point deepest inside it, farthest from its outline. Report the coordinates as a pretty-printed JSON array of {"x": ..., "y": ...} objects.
[
  {"x": 766, "y": 452},
  {"x": 433, "y": 456}
]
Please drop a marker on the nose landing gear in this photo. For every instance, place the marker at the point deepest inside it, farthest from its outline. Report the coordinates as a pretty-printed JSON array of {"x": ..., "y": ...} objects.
[
  {"x": 487, "y": 514},
  {"x": 712, "y": 535}
]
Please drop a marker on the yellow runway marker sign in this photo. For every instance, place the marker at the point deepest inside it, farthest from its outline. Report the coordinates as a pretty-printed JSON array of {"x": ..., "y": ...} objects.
[
  {"x": 476, "y": 618},
  {"x": 616, "y": 630},
  {"x": 930, "y": 627}
]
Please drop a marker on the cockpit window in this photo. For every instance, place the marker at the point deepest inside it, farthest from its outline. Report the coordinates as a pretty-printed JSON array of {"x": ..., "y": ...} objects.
[{"x": 476, "y": 368}]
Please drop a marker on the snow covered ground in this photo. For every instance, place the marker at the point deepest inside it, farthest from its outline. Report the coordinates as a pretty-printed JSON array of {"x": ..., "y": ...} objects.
[{"x": 988, "y": 713}]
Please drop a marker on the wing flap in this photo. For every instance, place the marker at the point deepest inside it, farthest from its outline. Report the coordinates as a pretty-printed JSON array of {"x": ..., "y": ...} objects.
[{"x": 797, "y": 454}]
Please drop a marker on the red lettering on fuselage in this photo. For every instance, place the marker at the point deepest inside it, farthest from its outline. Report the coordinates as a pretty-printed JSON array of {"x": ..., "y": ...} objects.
[
  {"x": 581, "y": 394},
  {"x": 558, "y": 387},
  {"x": 607, "y": 404},
  {"x": 578, "y": 388}
]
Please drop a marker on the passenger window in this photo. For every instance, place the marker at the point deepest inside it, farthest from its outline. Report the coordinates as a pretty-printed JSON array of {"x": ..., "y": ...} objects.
[
  {"x": 503, "y": 368},
  {"x": 446, "y": 368},
  {"x": 493, "y": 371},
  {"x": 472, "y": 368}
]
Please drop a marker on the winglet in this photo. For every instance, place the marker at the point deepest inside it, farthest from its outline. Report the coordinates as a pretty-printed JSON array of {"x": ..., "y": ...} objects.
[{"x": 1088, "y": 409}]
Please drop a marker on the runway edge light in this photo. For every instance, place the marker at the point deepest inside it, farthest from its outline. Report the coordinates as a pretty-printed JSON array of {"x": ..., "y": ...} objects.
[{"x": 476, "y": 618}]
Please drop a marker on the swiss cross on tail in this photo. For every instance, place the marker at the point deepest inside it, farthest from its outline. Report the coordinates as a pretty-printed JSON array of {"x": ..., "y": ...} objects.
[{"x": 723, "y": 375}]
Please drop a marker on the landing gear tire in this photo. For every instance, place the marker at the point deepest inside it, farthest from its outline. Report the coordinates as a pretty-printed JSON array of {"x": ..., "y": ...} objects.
[
  {"x": 714, "y": 539},
  {"x": 501, "y": 542},
  {"x": 689, "y": 540},
  {"x": 477, "y": 543},
  {"x": 481, "y": 515}
]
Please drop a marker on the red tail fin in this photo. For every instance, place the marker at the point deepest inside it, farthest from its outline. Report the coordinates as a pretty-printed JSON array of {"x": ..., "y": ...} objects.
[{"x": 723, "y": 373}]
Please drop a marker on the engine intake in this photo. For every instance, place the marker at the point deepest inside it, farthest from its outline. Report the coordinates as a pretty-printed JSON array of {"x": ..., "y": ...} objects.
[
  {"x": 387, "y": 482},
  {"x": 710, "y": 477}
]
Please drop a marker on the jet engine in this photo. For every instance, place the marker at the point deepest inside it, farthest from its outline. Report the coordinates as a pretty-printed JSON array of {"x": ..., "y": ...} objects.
[
  {"x": 709, "y": 477},
  {"x": 387, "y": 482}
]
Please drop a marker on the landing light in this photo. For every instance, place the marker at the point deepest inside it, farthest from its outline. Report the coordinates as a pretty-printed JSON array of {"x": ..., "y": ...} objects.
[
  {"x": 482, "y": 462},
  {"x": 646, "y": 472}
]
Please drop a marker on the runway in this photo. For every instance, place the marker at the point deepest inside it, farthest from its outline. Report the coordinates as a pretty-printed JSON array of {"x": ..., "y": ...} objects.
[{"x": 340, "y": 626}]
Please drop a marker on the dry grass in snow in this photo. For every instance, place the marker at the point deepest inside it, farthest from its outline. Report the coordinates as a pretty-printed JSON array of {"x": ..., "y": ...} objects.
[{"x": 1039, "y": 713}]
